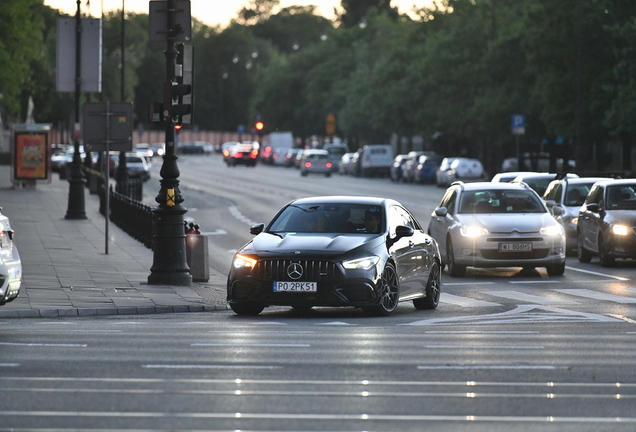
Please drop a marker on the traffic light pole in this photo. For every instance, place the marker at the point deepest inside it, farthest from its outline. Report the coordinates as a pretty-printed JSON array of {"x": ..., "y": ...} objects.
[{"x": 169, "y": 265}]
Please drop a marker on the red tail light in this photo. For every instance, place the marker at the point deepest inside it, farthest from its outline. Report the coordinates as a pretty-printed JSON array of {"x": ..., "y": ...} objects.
[
  {"x": 254, "y": 153},
  {"x": 328, "y": 164},
  {"x": 307, "y": 164},
  {"x": 238, "y": 155}
]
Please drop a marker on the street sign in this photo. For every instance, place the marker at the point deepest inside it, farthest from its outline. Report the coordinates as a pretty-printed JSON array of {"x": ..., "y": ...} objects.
[
  {"x": 158, "y": 21},
  {"x": 518, "y": 124},
  {"x": 90, "y": 57},
  {"x": 108, "y": 126},
  {"x": 330, "y": 126}
]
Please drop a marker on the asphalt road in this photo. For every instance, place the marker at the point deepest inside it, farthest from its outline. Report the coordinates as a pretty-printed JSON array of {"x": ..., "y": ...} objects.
[{"x": 506, "y": 349}]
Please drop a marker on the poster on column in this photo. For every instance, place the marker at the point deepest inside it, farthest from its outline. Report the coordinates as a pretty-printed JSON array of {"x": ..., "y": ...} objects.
[{"x": 31, "y": 152}]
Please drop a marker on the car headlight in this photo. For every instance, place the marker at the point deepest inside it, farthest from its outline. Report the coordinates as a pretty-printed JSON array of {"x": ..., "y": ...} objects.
[
  {"x": 552, "y": 230},
  {"x": 620, "y": 230},
  {"x": 242, "y": 261},
  {"x": 473, "y": 231},
  {"x": 361, "y": 263}
]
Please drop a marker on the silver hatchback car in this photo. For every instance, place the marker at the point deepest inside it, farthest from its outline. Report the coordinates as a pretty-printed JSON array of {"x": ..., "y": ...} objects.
[{"x": 488, "y": 224}]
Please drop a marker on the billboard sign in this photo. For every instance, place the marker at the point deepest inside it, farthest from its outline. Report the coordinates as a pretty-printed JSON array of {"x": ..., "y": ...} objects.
[{"x": 31, "y": 152}]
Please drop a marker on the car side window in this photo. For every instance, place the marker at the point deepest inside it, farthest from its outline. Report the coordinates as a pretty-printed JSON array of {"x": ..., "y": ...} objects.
[
  {"x": 555, "y": 193},
  {"x": 399, "y": 216},
  {"x": 449, "y": 201}
]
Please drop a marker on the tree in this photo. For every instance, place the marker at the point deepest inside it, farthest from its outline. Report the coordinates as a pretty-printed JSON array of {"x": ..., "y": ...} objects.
[{"x": 355, "y": 11}]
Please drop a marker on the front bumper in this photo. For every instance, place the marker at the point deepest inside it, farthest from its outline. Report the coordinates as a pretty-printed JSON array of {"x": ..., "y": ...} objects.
[
  {"x": 485, "y": 251},
  {"x": 335, "y": 285}
]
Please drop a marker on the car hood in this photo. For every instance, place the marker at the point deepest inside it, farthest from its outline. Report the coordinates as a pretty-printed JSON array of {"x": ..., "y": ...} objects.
[
  {"x": 327, "y": 243},
  {"x": 508, "y": 223},
  {"x": 627, "y": 217}
]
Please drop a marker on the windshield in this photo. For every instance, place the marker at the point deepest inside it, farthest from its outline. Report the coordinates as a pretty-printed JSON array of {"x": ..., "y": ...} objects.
[
  {"x": 327, "y": 218},
  {"x": 621, "y": 197},
  {"x": 500, "y": 201}
]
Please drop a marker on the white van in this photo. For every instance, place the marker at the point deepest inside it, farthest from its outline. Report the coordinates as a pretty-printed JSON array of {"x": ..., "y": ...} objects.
[{"x": 375, "y": 159}]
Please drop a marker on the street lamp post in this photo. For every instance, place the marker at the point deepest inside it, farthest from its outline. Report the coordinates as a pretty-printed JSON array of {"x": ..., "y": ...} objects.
[
  {"x": 169, "y": 265},
  {"x": 76, "y": 207}
]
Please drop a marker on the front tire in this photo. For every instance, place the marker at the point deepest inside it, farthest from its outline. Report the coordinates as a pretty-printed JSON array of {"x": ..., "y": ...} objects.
[
  {"x": 603, "y": 253},
  {"x": 454, "y": 269},
  {"x": 433, "y": 290},
  {"x": 247, "y": 309},
  {"x": 583, "y": 254},
  {"x": 556, "y": 269},
  {"x": 389, "y": 293}
]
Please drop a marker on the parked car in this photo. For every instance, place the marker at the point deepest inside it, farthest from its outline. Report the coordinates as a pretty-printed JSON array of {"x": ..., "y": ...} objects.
[
  {"x": 315, "y": 162},
  {"x": 60, "y": 156},
  {"x": 442, "y": 178},
  {"x": 541, "y": 161},
  {"x": 569, "y": 194},
  {"x": 426, "y": 169},
  {"x": 159, "y": 149},
  {"x": 397, "y": 168},
  {"x": 278, "y": 156},
  {"x": 10, "y": 263},
  {"x": 242, "y": 154},
  {"x": 410, "y": 165},
  {"x": 196, "y": 147},
  {"x": 466, "y": 170},
  {"x": 319, "y": 251},
  {"x": 374, "y": 160},
  {"x": 487, "y": 224},
  {"x": 137, "y": 166},
  {"x": 539, "y": 181},
  {"x": 347, "y": 164},
  {"x": 607, "y": 221}
]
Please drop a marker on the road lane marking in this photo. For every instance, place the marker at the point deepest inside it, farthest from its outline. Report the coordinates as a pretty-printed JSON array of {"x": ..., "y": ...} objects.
[
  {"x": 33, "y": 344},
  {"x": 467, "y": 283},
  {"x": 596, "y": 273},
  {"x": 157, "y": 366},
  {"x": 529, "y": 298},
  {"x": 234, "y": 211},
  {"x": 464, "y": 301},
  {"x": 598, "y": 295},
  {"x": 252, "y": 345},
  {"x": 521, "y": 347},
  {"x": 493, "y": 367},
  {"x": 520, "y": 315},
  {"x": 624, "y": 318},
  {"x": 9, "y": 364}
]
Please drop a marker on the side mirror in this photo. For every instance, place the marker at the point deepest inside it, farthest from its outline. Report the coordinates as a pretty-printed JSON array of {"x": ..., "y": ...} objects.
[
  {"x": 441, "y": 211},
  {"x": 551, "y": 203},
  {"x": 594, "y": 208},
  {"x": 257, "y": 229},
  {"x": 403, "y": 231},
  {"x": 557, "y": 210}
]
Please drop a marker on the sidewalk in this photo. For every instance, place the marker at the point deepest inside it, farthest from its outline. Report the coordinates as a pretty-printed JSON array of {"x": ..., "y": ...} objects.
[{"x": 66, "y": 271}]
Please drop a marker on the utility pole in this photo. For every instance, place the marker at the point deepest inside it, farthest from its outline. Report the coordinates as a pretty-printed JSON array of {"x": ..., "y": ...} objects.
[
  {"x": 169, "y": 265},
  {"x": 121, "y": 174},
  {"x": 76, "y": 208}
]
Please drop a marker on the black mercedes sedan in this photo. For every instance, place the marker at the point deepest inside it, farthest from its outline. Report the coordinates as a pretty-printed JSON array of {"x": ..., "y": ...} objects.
[{"x": 332, "y": 251}]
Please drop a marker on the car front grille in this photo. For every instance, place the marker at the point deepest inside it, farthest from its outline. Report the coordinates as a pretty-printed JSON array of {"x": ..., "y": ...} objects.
[{"x": 313, "y": 270}]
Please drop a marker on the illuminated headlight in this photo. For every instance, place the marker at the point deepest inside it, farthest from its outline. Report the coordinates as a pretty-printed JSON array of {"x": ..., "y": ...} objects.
[
  {"x": 361, "y": 264},
  {"x": 620, "y": 230},
  {"x": 552, "y": 230},
  {"x": 473, "y": 231},
  {"x": 241, "y": 261}
]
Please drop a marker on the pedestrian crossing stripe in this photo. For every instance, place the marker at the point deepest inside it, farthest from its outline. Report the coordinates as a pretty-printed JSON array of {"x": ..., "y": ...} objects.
[{"x": 522, "y": 314}]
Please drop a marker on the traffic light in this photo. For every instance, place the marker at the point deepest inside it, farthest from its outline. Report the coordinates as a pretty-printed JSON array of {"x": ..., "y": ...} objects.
[
  {"x": 259, "y": 126},
  {"x": 173, "y": 101}
]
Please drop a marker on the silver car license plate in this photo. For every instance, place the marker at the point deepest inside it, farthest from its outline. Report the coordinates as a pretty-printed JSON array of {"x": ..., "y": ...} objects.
[
  {"x": 515, "y": 247},
  {"x": 295, "y": 286}
]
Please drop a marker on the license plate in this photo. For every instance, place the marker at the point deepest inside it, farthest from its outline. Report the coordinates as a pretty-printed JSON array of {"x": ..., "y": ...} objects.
[
  {"x": 295, "y": 286},
  {"x": 515, "y": 247}
]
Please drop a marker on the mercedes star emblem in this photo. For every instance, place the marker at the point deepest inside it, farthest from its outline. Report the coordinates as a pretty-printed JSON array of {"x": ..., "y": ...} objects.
[{"x": 295, "y": 271}]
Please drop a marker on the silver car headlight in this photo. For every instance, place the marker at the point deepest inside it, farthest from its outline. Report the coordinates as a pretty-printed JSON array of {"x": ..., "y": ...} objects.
[
  {"x": 552, "y": 230},
  {"x": 620, "y": 230},
  {"x": 361, "y": 263},
  {"x": 473, "y": 231}
]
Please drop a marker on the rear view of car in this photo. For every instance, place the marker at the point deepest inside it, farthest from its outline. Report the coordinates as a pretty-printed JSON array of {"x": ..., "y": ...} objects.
[
  {"x": 316, "y": 162},
  {"x": 242, "y": 154},
  {"x": 10, "y": 263}
]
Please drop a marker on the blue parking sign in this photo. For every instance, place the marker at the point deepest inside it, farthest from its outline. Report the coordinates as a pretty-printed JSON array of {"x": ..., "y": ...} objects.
[{"x": 518, "y": 124}]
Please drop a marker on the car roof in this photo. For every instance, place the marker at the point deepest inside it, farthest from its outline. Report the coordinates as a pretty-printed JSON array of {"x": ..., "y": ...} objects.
[
  {"x": 580, "y": 180},
  {"x": 545, "y": 175},
  {"x": 617, "y": 181},
  {"x": 343, "y": 199},
  {"x": 486, "y": 185}
]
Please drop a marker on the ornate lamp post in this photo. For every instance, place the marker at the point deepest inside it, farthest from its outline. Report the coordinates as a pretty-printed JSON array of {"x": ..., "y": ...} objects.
[{"x": 169, "y": 265}]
